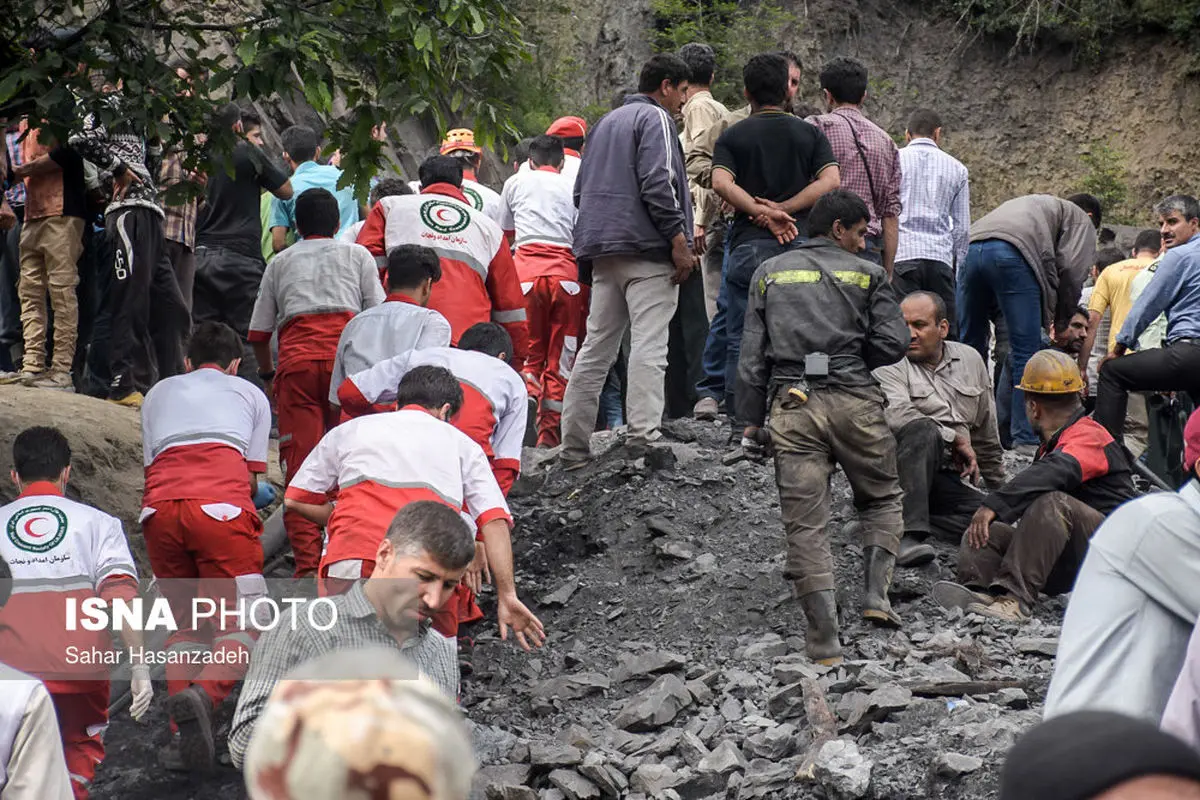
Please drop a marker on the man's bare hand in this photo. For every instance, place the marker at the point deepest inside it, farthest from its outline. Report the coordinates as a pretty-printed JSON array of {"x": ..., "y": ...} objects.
[
  {"x": 978, "y": 530},
  {"x": 699, "y": 241},
  {"x": 684, "y": 260},
  {"x": 478, "y": 573},
  {"x": 528, "y": 629},
  {"x": 965, "y": 460},
  {"x": 781, "y": 224},
  {"x": 8, "y": 218},
  {"x": 122, "y": 183}
]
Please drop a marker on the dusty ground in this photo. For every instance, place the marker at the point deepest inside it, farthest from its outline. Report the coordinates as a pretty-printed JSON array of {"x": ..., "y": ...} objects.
[{"x": 672, "y": 577}]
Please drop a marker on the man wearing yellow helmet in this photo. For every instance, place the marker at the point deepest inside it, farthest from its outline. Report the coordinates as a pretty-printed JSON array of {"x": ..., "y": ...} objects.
[
  {"x": 1032, "y": 534},
  {"x": 460, "y": 143}
]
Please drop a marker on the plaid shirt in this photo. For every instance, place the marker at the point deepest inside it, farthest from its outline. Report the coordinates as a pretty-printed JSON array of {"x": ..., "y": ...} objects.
[
  {"x": 281, "y": 649},
  {"x": 936, "y": 221},
  {"x": 15, "y": 194},
  {"x": 881, "y": 156},
  {"x": 179, "y": 222}
]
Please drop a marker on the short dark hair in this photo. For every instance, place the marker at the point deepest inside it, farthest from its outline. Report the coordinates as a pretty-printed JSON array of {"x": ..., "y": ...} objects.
[
  {"x": 300, "y": 142},
  {"x": 1106, "y": 236},
  {"x": 804, "y": 110},
  {"x": 923, "y": 122},
  {"x": 1183, "y": 203},
  {"x": 388, "y": 187},
  {"x": 1082, "y": 311},
  {"x": 214, "y": 343},
  {"x": 791, "y": 58},
  {"x": 766, "y": 79},
  {"x": 939, "y": 305},
  {"x": 408, "y": 265},
  {"x": 838, "y": 205},
  {"x": 618, "y": 98},
  {"x": 440, "y": 169},
  {"x": 427, "y": 526},
  {"x": 40, "y": 453},
  {"x": 1148, "y": 239},
  {"x": 702, "y": 62},
  {"x": 1090, "y": 204},
  {"x": 662, "y": 67},
  {"x": 317, "y": 213},
  {"x": 429, "y": 387},
  {"x": 489, "y": 338},
  {"x": 520, "y": 151},
  {"x": 845, "y": 79},
  {"x": 1107, "y": 257},
  {"x": 573, "y": 142},
  {"x": 546, "y": 151},
  {"x": 250, "y": 119},
  {"x": 227, "y": 116}
]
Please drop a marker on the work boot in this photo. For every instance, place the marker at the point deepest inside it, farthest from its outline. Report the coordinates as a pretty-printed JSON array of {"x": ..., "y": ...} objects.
[
  {"x": 706, "y": 409},
  {"x": 191, "y": 710},
  {"x": 821, "y": 638},
  {"x": 878, "y": 565},
  {"x": 914, "y": 553},
  {"x": 60, "y": 381}
]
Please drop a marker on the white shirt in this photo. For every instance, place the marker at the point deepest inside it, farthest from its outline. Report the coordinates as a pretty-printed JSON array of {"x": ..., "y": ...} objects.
[
  {"x": 935, "y": 219},
  {"x": 538, "y": 204},
  {"x": 389, "y": 329}
]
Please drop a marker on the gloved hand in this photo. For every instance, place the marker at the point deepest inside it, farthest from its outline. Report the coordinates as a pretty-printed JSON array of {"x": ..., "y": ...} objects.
[
  {"x": 756, "y": 444},
  {"x": 142, "y": 690}
]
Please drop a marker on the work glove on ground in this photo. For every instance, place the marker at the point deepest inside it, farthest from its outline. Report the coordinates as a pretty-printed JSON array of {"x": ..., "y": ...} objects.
[{"x": 143, "y": 691}]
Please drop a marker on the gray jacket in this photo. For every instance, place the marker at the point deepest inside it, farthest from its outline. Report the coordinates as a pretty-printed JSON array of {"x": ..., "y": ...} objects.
[
  {"x": 632, "y": 191},
  {"x": 817, "y": 299},
  {"x": 1058, "y": 241}
]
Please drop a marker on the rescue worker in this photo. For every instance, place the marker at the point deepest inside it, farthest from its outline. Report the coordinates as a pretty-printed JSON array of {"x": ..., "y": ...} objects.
[
  {"x": 400, "y": 323},
  {"x": 205, "y": 435},
  {"x": 382, "y": 462},
  {"x": 573, "y": 133},
  {"x": 386, "y": 187},
  {"x": 56, "y": 542},
  {"x": 479, "y": 282},
  {"x": 309, "y": 292},
  {"x": 460, "y": 145},
  {"x": 538, "y": 214},
  {"x": 1032, "y": 534},
  {"x": 819, "y": 320}
]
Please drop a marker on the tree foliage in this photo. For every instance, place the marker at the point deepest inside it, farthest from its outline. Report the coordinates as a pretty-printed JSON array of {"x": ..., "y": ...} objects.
[{"x": 386, "y": 60}]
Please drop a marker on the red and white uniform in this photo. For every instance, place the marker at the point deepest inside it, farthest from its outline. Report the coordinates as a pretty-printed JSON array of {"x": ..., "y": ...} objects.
[
  {"x": 379, "y": 464},
  {"x": 493, "y": 413},
  {"x": 539, "y": 208},
  {"x": 479, "y": 282},
  {"x": 203, "y": 434},
  {"x": 482, "y": 198},
  {"x": 398, "y": 325},
  {"x": 59, "y": 549},
  {"x": 308, "y": 294}
]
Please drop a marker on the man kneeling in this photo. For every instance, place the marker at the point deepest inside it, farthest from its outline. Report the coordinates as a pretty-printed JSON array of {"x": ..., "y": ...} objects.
[{"x": 1079, "y": 476}]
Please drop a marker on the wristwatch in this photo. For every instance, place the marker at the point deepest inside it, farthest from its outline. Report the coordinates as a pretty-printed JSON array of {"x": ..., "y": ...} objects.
[{"x": 266, "y": 376}]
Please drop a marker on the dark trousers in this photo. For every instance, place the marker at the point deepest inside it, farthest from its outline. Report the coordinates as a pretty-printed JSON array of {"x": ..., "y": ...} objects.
[
  {"x": 685, "y": 347},
  {"x": 712, "y": 383},
  {"x": 936, "y": 501},
  {"x": 1041, "y": 553},
  {"x": 225, "y": 288},
  {"x": 11, "y": 333},
  {"x": 92, "y": 270},
  {"x": 148, "y": 322},
  {"x": 1173, "y": 368},
  {"x": 183, "y": 263},
  {"x": 926, "y": 275}
]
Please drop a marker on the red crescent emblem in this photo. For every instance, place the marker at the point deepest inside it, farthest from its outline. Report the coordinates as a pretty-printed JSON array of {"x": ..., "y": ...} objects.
[
  {"x": 29, "y": 529},
  {"x": 441, "y": 214}
]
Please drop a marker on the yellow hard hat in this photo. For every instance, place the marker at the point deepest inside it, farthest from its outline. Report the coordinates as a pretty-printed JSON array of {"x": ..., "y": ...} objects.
[
  {"x": 1051, "y": 372},
  {"x": 460, "y": 139}
]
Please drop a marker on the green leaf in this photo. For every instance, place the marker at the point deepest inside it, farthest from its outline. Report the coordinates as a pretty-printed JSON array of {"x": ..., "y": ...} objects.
[
  {"x": 477, "y": 26},
  {"x": 247, "y": 50},
  {"x": 422, "y": 37},
  {"x": 8, "y": 86}
]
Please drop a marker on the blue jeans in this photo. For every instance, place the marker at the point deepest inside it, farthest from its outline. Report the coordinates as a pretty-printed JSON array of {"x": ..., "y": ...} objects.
[
  {"x": 743, "y": 261},
  {"x": 11, "y": 332},
  {"x": 713, "y": 361},
  {"x": 995, "y": 273}
]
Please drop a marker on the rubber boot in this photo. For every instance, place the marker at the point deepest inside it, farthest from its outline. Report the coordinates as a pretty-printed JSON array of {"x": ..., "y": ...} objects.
[
  {"x": 878, "y": 565},
  {"x": 821, "y": 639}
]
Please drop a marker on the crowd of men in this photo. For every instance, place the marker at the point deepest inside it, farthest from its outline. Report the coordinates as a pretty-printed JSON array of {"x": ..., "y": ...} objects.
[{"x": 795, "y": 271}]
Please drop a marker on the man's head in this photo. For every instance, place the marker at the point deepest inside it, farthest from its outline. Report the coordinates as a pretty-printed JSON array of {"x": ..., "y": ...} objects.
[
  {"x": 434, "y": 389},
  {"x": 1051, "y": 383},
  {"x": 317, "y": 213},
  {"x": 1179, "y": 219},
  {"x": 665, "y": 78},
  {"x": 41, "y": 453},
  {"x": 520, "y": 152},
  {"x": 572, "y": 131},
  {"x": 546, "y": 151},
  {"x": 1091, "y": 206},
  {"x": 842, "y": 216},
  {"x": 928, "y": 327},
  {"x": 300, "y": 143},
  {"x": 426, "y": 550},
  {"x": 440, "y": 169},
  {"x": 489, "y": 338},
  {"x": 1147, "y": 244},
  {"x": 1072, "y": 339},
  {"x": 843, "y": 82},
  {"x": 388, "y": 187},
  {"x": 1105, "y": 259},
  {"x": 214, "y": 344},
  {"x": 413, "y": 270},
  {"x": 702, "y": 64},
  {"x": 766, "y": 80},
  {"x": 794, "y": 74},
  {"x": 252, "y": 127},
  {"x": 924, "y": 123},
  {"x": 460, "y": 144}
]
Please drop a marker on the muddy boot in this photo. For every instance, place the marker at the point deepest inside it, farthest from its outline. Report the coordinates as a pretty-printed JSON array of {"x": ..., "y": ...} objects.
[
  {"x": 821, "y": 638},
  {"x": 878, "y": 565},
  {"x": 192, "y": 713}
]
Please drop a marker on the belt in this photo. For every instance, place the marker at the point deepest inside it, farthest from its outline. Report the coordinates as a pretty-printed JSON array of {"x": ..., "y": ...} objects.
[{"x": 1184, "y": 340}]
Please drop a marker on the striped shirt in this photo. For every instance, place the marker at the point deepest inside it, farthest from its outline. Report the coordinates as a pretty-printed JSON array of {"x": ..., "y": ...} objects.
[
  {"x": 179, "y": 220},
  {"x": 878, "y": 155},
  {"x": 936, "y": 221},
  {"x": 15, "y": 194}
]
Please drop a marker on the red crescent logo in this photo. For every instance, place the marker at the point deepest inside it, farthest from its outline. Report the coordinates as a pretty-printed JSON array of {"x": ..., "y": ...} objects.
[
  {"x": 29, "y": 529},
  {"x": 441, "y": 215}
]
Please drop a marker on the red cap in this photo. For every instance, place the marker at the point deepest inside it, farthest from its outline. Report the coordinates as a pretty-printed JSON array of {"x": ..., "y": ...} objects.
[
  {"x": 568, "y": 127},
  {"x": 1191, "y": 441}
]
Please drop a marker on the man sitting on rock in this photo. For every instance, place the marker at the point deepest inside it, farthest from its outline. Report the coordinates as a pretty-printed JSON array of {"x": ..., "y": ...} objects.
[
  {"x": 941, "y": 411},
  {"x": 1079, "y": 476}
]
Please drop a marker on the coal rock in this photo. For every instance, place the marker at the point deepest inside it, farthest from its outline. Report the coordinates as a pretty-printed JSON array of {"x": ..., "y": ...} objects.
[
  {"x": 654, "y": 779},
  {"x": 731, "y": 709},
  {"x": 492, "y": 744},
  {"x": 573, "y": 785},
  {"x": 572, "y": 687},
  {"x": 505, "y": 782},
  {"x": 842, "y": 770},
  {"x": 786, "y": 702},
  {"x": 955, "y": 765},
  {"x": 608, "y": 779},
  {"x": 1011, "y": 698},
  {"x": 1037, "y": 646},
  {"x": 770, "y": 646},
  {"x": 560, "y": 596},
  {"x": 651, "y": 663},
  {"x": 700, "y": 691},
  {"x": 774, "y": 743},
  {"x": 725, "y": 758},
  {"x": 510, "y": 793},
  {"x": 552, "y": 755},
  {"x": 655, "y": 706},
  {"x": 692, "y": 749}
]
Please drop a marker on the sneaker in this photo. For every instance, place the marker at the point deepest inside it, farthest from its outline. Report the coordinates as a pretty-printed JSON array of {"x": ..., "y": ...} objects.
[
  {"x": 24, "y": 376},
  {"x": 191, "y": 711},
  {"x": 706, "y": 409},
  {"x": 1005, "y": 608},
  {"x": 131, "y": 400},
  {"x": 953, "y": 595},
  {"x": 53, "y": 380},
  {"x": 572, "y": 463}
]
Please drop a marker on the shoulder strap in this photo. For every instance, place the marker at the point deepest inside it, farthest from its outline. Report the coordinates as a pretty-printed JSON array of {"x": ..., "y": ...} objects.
[{"x": 862, "y": 155}]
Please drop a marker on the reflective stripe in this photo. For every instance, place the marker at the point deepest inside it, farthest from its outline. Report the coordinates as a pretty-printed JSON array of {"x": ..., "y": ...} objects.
[
  {"x": 551, "y": 405},
  {"x": 189, "y": 647},
  {"x": 82, "y": 781},
  {"x": 244, "y": 639},
  {"x": 463, "y": 258},
  {"x": 516, "y": 315},
  {"x": 31, "y": 585},
  {"x": 789, "y": 276},
  {"x": 542, "y": 239},
  {"x": 860, "y": 279},
  {"x": 450, "y": 501},
  {"x": 206, "y": 437},
  {"x": 285, "y": 438},
  {"x": 119, "y": 569}
]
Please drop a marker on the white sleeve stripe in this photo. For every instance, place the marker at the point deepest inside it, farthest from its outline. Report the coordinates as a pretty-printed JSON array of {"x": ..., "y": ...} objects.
[{"x": 667, "y": 124}]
